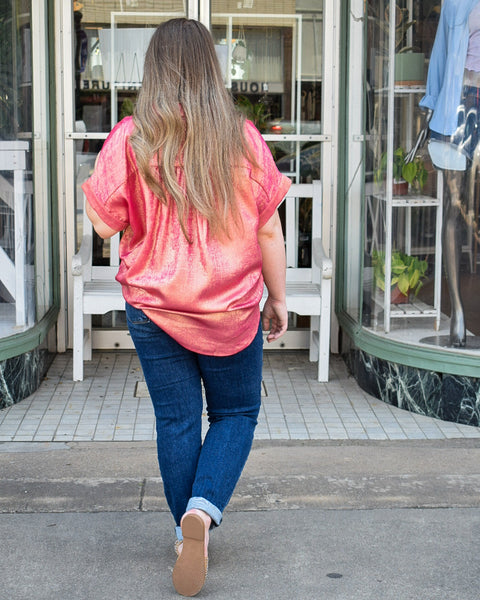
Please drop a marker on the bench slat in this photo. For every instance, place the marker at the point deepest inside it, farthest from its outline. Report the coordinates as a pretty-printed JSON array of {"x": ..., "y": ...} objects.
[
  {"x": 100, "y": 297},
  {"x": 302, "y": 298}
]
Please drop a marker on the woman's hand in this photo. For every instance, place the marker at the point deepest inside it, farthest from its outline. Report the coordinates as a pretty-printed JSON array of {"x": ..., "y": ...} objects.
[{"x": 275, "y": 318}]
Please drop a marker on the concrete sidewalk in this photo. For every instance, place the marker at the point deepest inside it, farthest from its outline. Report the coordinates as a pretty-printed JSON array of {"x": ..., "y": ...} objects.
[
  {"x": 309, "y": 555},
  {"x": 373, "y": 520},
  {"x": 343, "y": 497}
]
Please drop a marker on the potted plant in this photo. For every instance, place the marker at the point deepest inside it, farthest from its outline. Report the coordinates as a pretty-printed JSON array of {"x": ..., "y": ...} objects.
[
  {"x": 257, "y": 112},
  {"x": 415, "y": 173},
  {"x": 408, "y": 273},
  {"x": 404, "y": 174}
]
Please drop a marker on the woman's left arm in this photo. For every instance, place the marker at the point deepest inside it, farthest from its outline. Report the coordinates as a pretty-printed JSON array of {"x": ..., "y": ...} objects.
[{"x": 272, "y": 245}]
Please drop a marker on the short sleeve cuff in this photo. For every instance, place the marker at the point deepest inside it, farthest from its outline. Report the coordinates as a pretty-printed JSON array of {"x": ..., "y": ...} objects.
[
  {"x": 428, "y": 101},
  {"x": 99, "y": 208},
  {"x": 282, "y": 188}
]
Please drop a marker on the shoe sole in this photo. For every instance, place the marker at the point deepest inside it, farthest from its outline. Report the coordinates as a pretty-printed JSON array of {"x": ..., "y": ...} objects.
[{"x": 190, "y": 569}]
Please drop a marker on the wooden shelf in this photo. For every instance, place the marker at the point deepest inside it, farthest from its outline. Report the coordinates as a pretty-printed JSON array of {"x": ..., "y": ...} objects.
[
  {"x": 410, "y": 200},
  {"x": 412, "y": 309}
]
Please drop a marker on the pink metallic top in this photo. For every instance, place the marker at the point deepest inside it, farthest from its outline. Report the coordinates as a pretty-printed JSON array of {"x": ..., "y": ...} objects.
[{"x": 205, "y": 294}]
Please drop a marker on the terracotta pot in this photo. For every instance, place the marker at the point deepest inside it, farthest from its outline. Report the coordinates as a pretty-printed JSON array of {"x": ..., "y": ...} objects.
[
  {"x": 400, "y": 188},
  {"x": 396, "y": 297}
]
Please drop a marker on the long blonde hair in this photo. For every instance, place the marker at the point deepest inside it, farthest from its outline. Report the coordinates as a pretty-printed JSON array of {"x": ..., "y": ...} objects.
[{"x": 185, "y": 117}]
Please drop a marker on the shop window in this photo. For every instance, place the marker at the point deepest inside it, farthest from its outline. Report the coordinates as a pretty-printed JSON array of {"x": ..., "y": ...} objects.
[
  {"x": 25, "y": 252},
  {"x": 417, "y": 211}
]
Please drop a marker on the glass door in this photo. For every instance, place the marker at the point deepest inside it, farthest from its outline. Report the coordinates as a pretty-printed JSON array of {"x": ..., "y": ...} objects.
[
  {"x": 109, "y": 39},
  {"x": 104, "y": 47},
  {"x": 267, "y": 70},
  {"x": 273, "y": 57},
  {"x": 278, "y": 60}
]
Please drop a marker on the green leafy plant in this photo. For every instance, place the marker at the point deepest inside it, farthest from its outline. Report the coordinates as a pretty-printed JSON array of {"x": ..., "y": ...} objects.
[
  {"x": 257, "y": 112},
  {"x": 126, "y": 108},
  {"x": 414, "y": 172},
  {"x": 408, "y": 272},
  {"x": 399, "y": 165}
]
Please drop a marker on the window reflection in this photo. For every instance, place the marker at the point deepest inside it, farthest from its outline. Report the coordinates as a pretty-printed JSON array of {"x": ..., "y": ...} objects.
[
  {"x": 271, "y": 58},
  {"x": 397, "y": 287},
  {"x": 17, "y": 249}
]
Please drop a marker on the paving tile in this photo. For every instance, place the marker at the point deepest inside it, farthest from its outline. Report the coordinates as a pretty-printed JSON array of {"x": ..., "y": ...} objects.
[{"x": 106, "y": 405}]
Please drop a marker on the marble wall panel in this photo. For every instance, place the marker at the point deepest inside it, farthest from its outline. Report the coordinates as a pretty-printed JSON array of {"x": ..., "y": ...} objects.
[
  {"x": 448, "y": 397},
  {"x": 20, "y": 376}
]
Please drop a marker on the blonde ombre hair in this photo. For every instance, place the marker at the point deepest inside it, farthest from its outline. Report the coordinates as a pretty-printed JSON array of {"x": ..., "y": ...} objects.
[{"x": 185, "y": 117}]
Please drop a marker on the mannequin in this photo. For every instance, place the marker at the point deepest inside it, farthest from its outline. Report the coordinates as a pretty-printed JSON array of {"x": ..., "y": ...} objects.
[{"x": 452, "y": 121}]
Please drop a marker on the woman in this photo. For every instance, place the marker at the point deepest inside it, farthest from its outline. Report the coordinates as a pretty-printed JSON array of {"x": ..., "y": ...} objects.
[{"x": 194, "y": 189}]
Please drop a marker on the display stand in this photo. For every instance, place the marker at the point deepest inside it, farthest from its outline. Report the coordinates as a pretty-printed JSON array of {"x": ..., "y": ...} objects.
[{"x": 409, "y": 95}]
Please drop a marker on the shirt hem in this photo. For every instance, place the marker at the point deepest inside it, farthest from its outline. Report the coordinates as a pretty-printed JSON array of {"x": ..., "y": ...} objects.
[{"x": 213, "y": 348}]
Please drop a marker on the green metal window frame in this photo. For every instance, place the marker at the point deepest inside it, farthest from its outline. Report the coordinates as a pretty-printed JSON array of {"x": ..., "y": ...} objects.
[{"x": 431, "y": 359}]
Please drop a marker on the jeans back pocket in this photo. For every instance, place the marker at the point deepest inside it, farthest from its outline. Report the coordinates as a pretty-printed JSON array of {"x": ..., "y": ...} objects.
[{"x": 135, "y": 316}]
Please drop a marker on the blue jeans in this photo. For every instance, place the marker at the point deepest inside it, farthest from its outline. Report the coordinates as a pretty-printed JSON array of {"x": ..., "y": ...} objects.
[{"x": 197, "y": 475}]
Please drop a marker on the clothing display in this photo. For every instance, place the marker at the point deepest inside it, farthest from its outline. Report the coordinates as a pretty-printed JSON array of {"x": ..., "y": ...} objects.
[
  {"x": 447, "y": 64},
  {"x": 453, "y": 86},
  {"x": 452, "y": 152},
  {"x": 472, "y": 62}
]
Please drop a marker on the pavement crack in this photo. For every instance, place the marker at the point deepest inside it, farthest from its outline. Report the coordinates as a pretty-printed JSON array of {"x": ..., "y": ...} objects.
[{"x": 142, "y": 494}]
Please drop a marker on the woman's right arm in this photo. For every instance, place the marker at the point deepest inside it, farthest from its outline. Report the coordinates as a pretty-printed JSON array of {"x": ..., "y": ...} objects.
[{"x": 102, "y": 229}]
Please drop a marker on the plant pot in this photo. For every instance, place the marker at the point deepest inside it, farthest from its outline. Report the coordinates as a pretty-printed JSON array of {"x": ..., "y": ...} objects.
[
  {"x": 400, "y": 187},
  {"x": 396, "y": 297},
  {"x": 410, "y": 68}
]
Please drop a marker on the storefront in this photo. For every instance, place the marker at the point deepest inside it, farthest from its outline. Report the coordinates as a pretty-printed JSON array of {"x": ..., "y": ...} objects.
[
  {"x": 29, "y": 298},
  {"x": 323, "y": 82},
  {"x": 273, "y": 59}
]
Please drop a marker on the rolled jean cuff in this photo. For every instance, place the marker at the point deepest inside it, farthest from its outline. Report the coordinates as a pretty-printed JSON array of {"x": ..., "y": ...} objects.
[{"x": 203, "y": 504}]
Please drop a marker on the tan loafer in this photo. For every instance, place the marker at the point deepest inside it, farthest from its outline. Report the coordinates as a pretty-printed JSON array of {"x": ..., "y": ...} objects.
[{"x": 191, "y": 567}]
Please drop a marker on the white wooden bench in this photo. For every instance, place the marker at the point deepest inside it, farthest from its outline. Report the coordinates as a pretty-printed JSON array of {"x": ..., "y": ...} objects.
[{"x": 309, "y": 290}]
